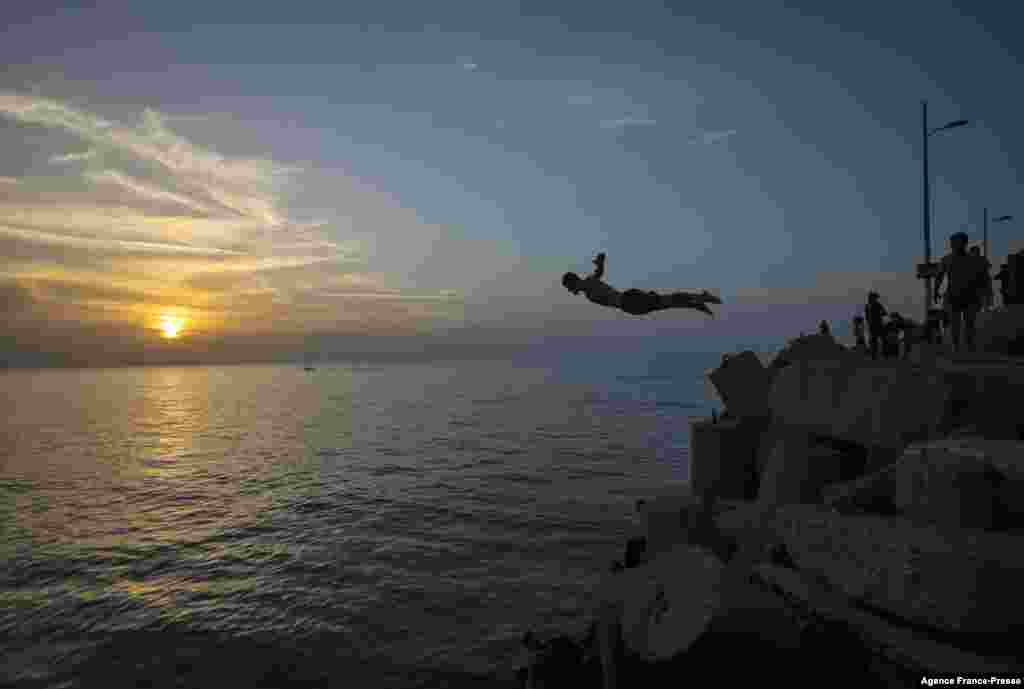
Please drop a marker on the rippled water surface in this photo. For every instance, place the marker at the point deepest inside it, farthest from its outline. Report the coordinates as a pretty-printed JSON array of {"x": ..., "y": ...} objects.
[{"x": 388, "y": 526}]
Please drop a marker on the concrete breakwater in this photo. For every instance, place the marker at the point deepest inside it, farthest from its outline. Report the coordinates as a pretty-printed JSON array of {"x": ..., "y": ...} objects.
[{"x": 848, "y": 518}]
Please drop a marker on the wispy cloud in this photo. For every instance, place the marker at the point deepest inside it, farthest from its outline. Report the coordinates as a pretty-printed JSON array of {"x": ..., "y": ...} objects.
[
  {"x": 147, "y": 192},
  {"x": 711, "y": 137},
  {"x": 162, "y": 214},
  {"x": 468, "y": 64},
  {"x": 111, "y": 245},
  {"x": 627, "y": 122}
]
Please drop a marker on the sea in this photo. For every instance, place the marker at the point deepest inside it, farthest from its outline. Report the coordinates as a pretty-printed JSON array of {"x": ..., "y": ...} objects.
[{"x": 360, "y": 525}]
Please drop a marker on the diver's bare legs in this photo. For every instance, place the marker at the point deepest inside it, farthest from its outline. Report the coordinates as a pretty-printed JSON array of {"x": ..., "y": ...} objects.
[{"x": 689, "y": 300}]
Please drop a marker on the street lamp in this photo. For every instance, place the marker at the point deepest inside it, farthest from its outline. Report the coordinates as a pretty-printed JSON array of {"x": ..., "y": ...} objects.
[
  {"x": 1001, "y": 218},
  {"x": 926, "y": 201}
]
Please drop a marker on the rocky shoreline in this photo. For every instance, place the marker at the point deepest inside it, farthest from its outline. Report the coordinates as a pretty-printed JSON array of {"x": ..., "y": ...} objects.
[{"x": 849, "y": 521}]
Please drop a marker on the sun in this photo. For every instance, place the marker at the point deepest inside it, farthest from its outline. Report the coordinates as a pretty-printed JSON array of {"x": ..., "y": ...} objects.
[{"x": 171, "y": 327}]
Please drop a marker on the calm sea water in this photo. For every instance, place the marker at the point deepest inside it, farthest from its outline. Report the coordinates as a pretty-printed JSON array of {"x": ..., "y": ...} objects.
[{"x": 370, "y": 526}]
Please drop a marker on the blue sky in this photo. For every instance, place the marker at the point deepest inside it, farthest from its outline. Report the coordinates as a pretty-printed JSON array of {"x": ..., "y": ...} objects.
[{"x": 420, "y": 172}]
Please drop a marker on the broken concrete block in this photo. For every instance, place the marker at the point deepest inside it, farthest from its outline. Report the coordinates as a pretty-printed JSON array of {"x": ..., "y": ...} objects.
[
  {"x": 984, "y": 395},
  {"x": 723, "y": 457},
  {"x": 797, "y": 470},
  {"x": 933, "y": 486},
  {"x": 906, "y": 647},
  {"x": 750, "y": 528},
  {"x": 998, "y": 330},
  {"x": 742, "y": 383},
  {"x": 881, "y": 404},
  {"x": 665, "y": 522},
  {"x": 929, "y": 484},
  {"x": 669, "y": 602},
  {"x": 750, "y": 608},
  {"x": 1003, "y": 457},
  {"x": 958, "y": 580}
]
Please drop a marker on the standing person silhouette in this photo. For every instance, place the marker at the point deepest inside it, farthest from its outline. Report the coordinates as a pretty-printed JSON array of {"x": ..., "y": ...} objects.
[
  {"x": 969, "y": 282},
  {"x": 633, "y": 301},
  {"x": 859, "y": 342},
  {"x": 1003, "y": 276},
  {"x": 874, "y": 314},
  {"x": 988, "y": 295}
]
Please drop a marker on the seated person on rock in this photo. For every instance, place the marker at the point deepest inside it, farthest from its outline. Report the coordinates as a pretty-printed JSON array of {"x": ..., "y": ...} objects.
[{"x": 633, "y": 301}]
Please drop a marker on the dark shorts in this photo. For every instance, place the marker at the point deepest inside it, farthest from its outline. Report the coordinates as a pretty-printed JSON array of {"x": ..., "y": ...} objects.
[
  {"x": 637, "y": 302},
  {"x": 969, "y": 302}
]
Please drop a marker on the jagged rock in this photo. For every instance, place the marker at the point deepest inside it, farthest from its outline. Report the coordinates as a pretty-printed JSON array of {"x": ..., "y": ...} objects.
[
  {"x": 797, "y": 470},
  {"x": 962, "y": 580},
  {"x": 743, "y": 383},
  {"x": 884, "y": 404},
  {"x": 812, "y": 347}
]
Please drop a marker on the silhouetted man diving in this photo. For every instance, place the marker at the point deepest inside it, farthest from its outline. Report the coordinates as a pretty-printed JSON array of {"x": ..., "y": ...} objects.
[{"x": 633, "y": 301}]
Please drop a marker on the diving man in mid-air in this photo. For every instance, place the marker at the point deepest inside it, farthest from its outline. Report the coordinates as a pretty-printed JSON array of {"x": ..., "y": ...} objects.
[{"x": 633, "y": 301}]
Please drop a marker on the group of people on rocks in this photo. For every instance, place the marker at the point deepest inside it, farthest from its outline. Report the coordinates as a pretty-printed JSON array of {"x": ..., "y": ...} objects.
[
  {"x": 966, "y": 274},
  {"x": 883, "y": 334}
]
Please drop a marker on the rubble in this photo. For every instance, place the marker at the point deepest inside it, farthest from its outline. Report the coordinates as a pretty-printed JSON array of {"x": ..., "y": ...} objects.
[
  {"x": 956, "y": 579},
  {"x": 865, "y": 515}
]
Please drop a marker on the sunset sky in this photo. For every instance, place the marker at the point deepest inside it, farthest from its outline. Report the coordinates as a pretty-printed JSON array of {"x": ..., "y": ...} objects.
[{"x": 226, "y": 181}]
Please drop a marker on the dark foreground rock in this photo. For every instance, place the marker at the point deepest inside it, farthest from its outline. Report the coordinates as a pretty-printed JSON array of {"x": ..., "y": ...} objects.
[{"x": 960, "y": 580}]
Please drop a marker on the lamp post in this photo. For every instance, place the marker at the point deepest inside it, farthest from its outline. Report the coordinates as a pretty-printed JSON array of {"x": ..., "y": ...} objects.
[
  {"x": 926, "y": 199},
  {"x": 1001, "y": 218}
]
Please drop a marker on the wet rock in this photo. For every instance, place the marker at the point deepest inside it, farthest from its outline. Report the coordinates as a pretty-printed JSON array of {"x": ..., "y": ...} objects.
[{"x": 962, "y": 580}]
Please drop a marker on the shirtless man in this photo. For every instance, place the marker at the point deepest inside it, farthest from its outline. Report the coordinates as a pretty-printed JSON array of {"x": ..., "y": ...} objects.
[
  {"x": 969, "y": 282},
  {"x": 633, "y": 301}
]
